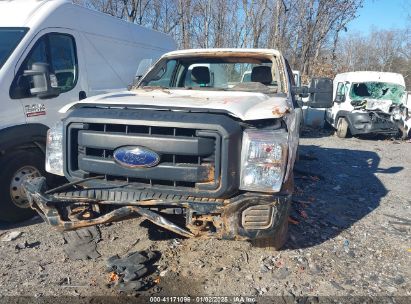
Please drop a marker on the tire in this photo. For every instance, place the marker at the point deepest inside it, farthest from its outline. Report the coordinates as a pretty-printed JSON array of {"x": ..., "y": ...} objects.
[
  {"x": 277, "y": 241},
  {"x": 16, "y": 166},
  {"x": 403, "y": 133},
  {"x": 342, "y": 128}
]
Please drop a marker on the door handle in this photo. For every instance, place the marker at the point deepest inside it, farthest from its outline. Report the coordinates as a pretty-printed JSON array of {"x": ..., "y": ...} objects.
[{"x": 82, "y": 95}]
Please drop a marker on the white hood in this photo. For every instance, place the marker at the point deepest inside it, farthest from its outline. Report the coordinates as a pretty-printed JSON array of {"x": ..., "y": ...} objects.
[{"x": 243, "y": 105}]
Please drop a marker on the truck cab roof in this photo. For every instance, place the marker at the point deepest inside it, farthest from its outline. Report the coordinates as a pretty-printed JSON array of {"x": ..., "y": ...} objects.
[{"x": 222, "y": 52}]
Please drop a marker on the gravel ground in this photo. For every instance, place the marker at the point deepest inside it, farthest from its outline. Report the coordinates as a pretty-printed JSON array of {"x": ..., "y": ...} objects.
[{"x": 349, "y": 236}]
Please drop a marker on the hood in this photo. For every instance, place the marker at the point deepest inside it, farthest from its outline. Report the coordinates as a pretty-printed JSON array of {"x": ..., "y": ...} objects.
[
  {"x": 243, "y": 105},
  {"x": 379, "y": 104}
]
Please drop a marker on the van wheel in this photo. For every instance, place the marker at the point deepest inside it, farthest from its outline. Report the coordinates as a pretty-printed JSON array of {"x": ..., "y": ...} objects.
[
  {"x": 16, "y": 167},
  {"x": 342, "y": 128},
  {"x": 277, "y": 241},
  {"x": 403, "y": 133}
]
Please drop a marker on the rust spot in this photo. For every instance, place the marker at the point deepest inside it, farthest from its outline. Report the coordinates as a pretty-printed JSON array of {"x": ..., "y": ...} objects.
[
  {"x": 113, "y": 277},
  {"x": 280, "y": 110},
  {"x": 210, "y": 173}
]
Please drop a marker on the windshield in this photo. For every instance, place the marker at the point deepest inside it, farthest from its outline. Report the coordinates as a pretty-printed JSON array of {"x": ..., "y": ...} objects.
[
  {"x": 9, "y": 39},
  {"x": 377, "y": 90},
  {"x": 226, "y": 73}
]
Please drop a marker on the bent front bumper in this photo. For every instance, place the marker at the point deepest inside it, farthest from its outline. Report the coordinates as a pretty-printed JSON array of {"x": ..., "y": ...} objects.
[
  {"x": 247, "y": 216},
  {"x": 363, "y": 123}
]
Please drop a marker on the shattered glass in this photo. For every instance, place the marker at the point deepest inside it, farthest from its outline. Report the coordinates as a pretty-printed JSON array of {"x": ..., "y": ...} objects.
[{"x": 376, "y": 91}]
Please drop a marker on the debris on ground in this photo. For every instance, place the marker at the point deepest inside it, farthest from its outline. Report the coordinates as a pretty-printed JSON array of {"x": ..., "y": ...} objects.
[
  {"x": 81, "y": 244},
  {"x": 11, "y": 236},
  {"x": 25, "y": 244},
  {"x": 127, "y": 274}
]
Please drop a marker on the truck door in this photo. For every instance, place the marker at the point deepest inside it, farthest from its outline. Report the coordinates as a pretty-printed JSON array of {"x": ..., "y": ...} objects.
[{"x": 58, "y": 49}]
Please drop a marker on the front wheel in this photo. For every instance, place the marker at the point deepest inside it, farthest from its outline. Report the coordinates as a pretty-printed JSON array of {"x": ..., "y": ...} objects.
[
  {"x": 342, "y": 128},
  {"x": 16, "y": 167}
]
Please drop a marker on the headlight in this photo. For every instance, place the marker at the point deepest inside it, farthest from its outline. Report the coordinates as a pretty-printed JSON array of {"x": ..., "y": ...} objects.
[
  {"x": 263, "y": 160},
  {"x": 54, "y": 150}
]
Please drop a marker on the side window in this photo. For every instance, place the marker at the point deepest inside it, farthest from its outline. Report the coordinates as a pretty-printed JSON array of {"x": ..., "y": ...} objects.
[
  {"x": 340, "y": 93},
  {"x": 63, "y": 60},
  {"x": 163, "y": 76},
  {"x": 59, "y": 51},
  {"x": 38, "y": 54}
]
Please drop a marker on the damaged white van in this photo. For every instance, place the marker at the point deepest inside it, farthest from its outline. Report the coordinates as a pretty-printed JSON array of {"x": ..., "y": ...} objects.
[
  {"x": 369, "y": 103},
  {"x": 218, "y": 153},
  {"x": 82, "y": 52}
]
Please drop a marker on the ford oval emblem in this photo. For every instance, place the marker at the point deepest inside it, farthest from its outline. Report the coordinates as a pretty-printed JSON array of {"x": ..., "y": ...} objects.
[{"x": 136, "y": 157}]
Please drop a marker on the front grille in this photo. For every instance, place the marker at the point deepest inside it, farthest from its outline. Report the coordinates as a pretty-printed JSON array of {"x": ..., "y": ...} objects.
[{"x": 191, "y": 153}]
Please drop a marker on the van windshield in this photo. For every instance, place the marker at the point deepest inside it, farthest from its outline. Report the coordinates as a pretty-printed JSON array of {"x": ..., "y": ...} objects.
[
  {"x": 377, "y": 90},
  {"x": 9, "y": 39}
]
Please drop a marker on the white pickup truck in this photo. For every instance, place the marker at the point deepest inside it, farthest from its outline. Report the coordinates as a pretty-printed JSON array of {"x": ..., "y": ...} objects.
[{"x": 217, "y": 151}]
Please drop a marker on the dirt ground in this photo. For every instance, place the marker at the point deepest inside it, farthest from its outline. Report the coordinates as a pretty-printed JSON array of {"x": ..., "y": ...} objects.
[{"x": 350, "y": 235}]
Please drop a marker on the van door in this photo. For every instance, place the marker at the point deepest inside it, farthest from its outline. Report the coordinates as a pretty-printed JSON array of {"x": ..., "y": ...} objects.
[
  {"x": 338, "y": 105},
  {"x": 59, "y": 49}
]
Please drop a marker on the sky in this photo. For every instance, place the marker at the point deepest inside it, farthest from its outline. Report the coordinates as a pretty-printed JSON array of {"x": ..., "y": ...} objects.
[{"x": 381, "y": 14}]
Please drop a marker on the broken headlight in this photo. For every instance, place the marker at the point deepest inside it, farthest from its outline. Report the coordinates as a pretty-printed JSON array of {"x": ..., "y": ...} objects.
[
  {"x": 54, "y": 150},
  {"x": 263, "y": 160},
  {"x": 399, "y": 112}
]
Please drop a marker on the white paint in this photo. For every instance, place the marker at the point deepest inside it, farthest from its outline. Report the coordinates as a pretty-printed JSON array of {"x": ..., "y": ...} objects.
[
  {"x": 243, "y": 105},
  {"x": 108, "y": 53},
  {"x": 197, "y": 52}
]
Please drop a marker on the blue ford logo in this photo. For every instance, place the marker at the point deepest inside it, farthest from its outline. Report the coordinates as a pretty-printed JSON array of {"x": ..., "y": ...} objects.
[{"x": 136, "y": 157}]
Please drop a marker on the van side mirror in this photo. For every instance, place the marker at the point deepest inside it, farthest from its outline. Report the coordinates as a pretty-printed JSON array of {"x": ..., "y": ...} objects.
[
  {"x": 44, "y": 84},
  {"x": 321, "y": 93},
  {"x": 339, "y": 98}
]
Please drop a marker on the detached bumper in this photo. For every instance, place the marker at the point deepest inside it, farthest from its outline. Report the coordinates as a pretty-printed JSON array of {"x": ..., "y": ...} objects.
[{"x": 248, "y": 216}]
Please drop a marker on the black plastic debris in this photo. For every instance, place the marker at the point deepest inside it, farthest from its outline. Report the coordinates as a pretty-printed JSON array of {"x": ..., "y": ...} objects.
[
  {"x": 20, "y": 246},
  {"x": 130, "y": 271},
  {"x": 81, "y": 244}
]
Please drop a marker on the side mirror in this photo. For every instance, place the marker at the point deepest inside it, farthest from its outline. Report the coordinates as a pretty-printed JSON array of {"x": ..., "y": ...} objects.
[
  {"x": 321, "y": 93},
  {"x": 44, "y": 84},
  {"x": 340, "y": 98},
  {"x": 302, "y": 92}
]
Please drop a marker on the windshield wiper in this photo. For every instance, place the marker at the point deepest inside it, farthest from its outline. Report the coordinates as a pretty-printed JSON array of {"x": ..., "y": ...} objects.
[{"x": 155, "y": 88}]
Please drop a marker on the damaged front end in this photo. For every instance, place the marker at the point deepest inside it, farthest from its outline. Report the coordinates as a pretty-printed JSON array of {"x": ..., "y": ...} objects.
[
  {"x": 379, "y": 122},
  {"x": 244, "y": 217},
  {"x": 378, "y": 108},
  {"x": 200, "y": 185}
]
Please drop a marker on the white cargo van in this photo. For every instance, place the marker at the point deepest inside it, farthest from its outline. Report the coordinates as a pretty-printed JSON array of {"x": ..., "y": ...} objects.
[
  {"x": 83, "y": 52},
  {"x": 367, "y": 102}
]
